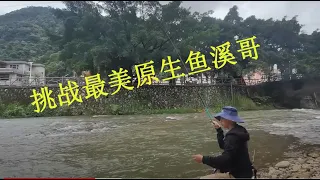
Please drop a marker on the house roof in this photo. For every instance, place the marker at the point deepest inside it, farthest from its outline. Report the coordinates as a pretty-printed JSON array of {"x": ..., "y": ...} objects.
[{"x": 22, "y": 62}]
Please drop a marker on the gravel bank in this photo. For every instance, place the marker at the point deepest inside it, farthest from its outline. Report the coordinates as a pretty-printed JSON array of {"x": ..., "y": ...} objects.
[{"x": 296, "y": 165}]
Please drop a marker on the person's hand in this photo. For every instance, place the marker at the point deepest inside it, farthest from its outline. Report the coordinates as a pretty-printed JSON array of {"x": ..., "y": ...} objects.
[
  {"x": 216, "y": 125},
  {"x": 198, "y": 158}
]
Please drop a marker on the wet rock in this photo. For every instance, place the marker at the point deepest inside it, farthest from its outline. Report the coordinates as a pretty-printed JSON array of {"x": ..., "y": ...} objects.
[
  {"x": 301, "y": 161},
  {"x": 293, "y": 154},
  {"x": 310, "y": 161},
  {"x": 295, "y": 175},
  {"x": 305, "y": 175},
  {"x": 312, "y": 171},
  {"x": 272, "y": 170},
  {"x": 316, "y": 166},
  {"x": 299, "y": 167},
  {"x": 274, "y": 176},
  {"x": 283, "y": 164},
  {"x": 278, "y": 173},
  {"x": 313, "y": 155},
  {"x": 295, "y": 168},
  {"x": 306, "y": 166},
  {"x": 286, "y": 176}
]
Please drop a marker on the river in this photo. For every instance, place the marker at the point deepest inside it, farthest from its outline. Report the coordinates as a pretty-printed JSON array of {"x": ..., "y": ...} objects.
[{"x": 152, "y": 146}]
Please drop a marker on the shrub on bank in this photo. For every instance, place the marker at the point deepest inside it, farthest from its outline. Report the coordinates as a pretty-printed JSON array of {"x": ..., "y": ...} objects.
[{"x": 132, "y": 107}]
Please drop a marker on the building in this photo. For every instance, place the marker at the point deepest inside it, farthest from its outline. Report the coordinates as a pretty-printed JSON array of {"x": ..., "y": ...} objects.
[
  {"x": 21, "y": 73},
  {"x": 258, "y": 76}
]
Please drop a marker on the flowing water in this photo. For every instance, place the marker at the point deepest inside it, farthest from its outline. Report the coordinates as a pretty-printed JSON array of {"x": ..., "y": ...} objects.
[{"x": 153, "y": 146}]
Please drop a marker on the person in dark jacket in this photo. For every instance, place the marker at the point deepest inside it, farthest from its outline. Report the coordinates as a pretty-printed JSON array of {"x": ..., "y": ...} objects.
[{"x": 234, "y": 162}]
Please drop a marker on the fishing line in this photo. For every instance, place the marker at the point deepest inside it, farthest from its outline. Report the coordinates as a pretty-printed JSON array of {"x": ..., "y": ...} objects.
[
  {"x": 202, "y": 101},
  {"x": 199, "y": 95}
]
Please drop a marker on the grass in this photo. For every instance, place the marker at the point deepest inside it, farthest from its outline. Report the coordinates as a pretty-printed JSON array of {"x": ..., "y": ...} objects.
[{"x": 242, "y": 103}]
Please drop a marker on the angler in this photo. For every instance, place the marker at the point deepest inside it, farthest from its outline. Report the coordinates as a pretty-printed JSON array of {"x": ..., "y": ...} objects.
[{"x": 234, "y": 162}]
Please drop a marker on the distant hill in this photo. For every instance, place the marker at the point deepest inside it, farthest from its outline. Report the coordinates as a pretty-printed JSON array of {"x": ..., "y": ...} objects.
[{"x": 23, "y": 33}]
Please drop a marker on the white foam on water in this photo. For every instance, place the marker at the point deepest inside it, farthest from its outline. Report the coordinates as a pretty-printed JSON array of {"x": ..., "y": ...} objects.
[
  {"x": 172, "y": 118},
  {"x": 56, "y": 123},
  {"x": 102, "y": 116},
  {"x": 56, "y": 135},
  {"x": 308, "y": 111},
  {"x": 285, "y": 125},
  {"x": 100, "y": 130},
  {"x": 68, "y": 128},
  {"x": 169, "y": 117},
  {"x": 80, "y": 132},
  {"x": 301, "y": 123},
  {"x": 300, "y": 110},
  {"x": 71, "y": 128},
  {"x": 306, "y": 129}
]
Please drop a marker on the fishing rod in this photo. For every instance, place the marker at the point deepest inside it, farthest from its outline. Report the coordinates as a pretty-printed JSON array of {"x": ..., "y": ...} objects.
[
  {"x": 212, "y": 119},
  {"x": 199, "y": 95}
]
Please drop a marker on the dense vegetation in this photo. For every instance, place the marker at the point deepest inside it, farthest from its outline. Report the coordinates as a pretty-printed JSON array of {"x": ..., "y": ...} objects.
[
  {"x": 15, "y": 110},
  {"x": 23, "y": 33},
  {"x": 113, "y": 34}
]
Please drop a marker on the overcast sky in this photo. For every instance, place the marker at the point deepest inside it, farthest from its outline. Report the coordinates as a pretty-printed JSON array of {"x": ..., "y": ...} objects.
[{"x": 307, "y": 11}]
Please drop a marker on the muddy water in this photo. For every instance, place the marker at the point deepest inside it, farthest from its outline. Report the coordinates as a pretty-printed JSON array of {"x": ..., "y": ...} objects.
[{"x": 153, "y": 146}]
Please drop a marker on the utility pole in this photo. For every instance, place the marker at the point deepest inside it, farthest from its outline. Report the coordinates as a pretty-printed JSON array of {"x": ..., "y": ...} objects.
[{"x": 30, "y": 73}]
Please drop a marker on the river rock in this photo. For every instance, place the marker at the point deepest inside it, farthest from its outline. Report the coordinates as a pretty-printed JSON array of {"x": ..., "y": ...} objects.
[
  {"x": 299, "y": 167},
  {"x": 295, "y": 168},
  {"x": 305, "y": 175},
  {"x": 301, "y": 161},
  {"x": 310, "y": 161},
  {"x": 306, "y": 166},
  {"x": 272, "y": 171},
  {"x": 313, "y": 171},
  {"x": 314, "y": 155},
  {"x": 275, "y": 173},
  {"x": 283, "y": 164},
  {"x": 285, "y": 176},
  {"x": 274, "y": 176}
]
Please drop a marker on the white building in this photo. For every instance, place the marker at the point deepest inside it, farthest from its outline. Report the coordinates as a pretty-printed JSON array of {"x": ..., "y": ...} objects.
[{"x": 21, "y": 73}]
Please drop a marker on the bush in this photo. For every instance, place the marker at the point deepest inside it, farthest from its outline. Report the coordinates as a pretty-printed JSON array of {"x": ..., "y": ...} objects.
[
  {"x": 132, "y": 107},
  {"x": 14, "y": 110}
]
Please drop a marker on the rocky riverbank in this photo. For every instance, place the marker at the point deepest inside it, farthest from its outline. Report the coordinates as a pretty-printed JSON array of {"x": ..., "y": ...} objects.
[{"x": 296, "y": 165}]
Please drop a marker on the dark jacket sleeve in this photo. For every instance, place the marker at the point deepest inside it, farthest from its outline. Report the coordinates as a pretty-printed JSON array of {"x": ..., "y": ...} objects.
[
  {"x": 222, "y": 161},
  {"x": 220, "y": 137}
]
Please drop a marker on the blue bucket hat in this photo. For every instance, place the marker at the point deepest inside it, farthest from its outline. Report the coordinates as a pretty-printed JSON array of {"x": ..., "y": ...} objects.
[{"x": 230, "y": 113}]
